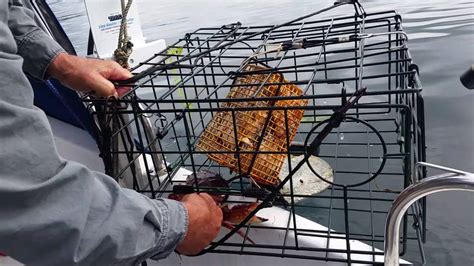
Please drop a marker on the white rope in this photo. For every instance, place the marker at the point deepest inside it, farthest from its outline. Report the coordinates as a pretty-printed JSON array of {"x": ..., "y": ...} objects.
[{"x": 124, "y": 46}]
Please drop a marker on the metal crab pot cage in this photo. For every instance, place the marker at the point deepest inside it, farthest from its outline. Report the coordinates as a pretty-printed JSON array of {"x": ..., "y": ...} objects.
[{"x": 152, "y": 133}]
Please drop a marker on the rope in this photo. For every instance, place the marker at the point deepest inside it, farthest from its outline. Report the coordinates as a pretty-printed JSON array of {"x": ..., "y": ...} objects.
[{"x": 124, "y": 46}]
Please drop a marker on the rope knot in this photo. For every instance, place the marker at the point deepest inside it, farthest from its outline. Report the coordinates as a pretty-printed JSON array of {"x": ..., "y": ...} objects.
[
  {"x": 122, "y": 54},
  {"x": 124, "y": 47}
]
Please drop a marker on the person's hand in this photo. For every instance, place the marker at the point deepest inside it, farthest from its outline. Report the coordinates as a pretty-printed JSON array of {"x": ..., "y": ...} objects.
[
  {"x": 88, "y": 75},
  {"x": 205, "y": 219}
]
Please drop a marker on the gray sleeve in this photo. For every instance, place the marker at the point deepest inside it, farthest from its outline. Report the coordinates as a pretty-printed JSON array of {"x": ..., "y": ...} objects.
[
  {"x": 58, "y": 212},
  {"x": 36, "y": 47}
]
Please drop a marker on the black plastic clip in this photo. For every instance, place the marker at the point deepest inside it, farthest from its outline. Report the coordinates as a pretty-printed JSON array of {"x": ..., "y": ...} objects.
[
  {"x": 412, "y": 67},
  {"x": 398, "y": 21},
  {"x": 160, "y": 134},
  {"x": 339, "y": 115},
  {"x": 183, "y": 189},
  {"x": 179, "y": 116},
  {"x": 187, "y": 37},
  {"x": 258, "y": 193},
  {"x": 343, "y": 95}
]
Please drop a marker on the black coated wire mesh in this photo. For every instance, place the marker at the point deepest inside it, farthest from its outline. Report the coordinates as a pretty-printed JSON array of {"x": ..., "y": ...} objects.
[{"x": 150, "y": 135}]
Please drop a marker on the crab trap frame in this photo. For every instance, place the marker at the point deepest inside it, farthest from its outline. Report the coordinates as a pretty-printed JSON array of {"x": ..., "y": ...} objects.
[{"x": 243, "y": 102}]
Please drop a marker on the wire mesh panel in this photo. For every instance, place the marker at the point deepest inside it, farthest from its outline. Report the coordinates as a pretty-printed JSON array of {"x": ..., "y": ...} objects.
[{"x": 267, "y": 116}]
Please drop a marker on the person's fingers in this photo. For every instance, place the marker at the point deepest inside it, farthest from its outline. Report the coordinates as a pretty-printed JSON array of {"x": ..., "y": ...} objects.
[
  {"x": 185, "y": 197},
  {"x": 219, "y": 214},
  {"x": 122, "y": 90},
  {"x": 208, "y": 199},
  {"x": 101, "y": 86},
  {"x": 216, "y": 211},
  {"x": 117, "y": 72}
]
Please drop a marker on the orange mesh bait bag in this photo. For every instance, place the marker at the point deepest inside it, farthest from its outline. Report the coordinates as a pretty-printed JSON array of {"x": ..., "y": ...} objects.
[{"x": 253, "y": 125}]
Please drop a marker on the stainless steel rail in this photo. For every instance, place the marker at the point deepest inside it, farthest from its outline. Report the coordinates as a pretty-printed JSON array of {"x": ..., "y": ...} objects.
[{"x": 453, "y": 180}]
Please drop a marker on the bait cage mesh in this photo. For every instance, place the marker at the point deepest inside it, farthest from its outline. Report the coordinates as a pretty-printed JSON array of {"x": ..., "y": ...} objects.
[
  {"x": 160, "y": 127},
  {"x": 219, "y": 133}
]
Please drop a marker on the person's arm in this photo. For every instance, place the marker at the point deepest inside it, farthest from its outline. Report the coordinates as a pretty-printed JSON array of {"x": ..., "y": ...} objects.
[
  {"x": 43, "y": 57},
  {"x": 58, "y": 212},
  {"x": 35, "y": 46}
]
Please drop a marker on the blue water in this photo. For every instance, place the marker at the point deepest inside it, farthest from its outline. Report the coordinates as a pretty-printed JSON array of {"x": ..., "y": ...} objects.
[{"x": 441, "y": 40}]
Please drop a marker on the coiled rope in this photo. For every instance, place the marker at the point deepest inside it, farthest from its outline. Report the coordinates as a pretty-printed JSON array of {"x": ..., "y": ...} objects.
[{"x": 124, "y": 47}]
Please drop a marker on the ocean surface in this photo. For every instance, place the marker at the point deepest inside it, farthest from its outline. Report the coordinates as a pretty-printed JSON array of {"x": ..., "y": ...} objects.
[{"x": 441, "y": 40}]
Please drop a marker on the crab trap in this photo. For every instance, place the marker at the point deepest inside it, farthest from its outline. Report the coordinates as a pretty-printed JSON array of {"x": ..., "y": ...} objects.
[{"x": 314, "y": 126}]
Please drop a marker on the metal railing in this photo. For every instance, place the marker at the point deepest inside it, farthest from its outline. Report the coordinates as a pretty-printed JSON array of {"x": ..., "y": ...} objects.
[{"x": 453, "y": 180}]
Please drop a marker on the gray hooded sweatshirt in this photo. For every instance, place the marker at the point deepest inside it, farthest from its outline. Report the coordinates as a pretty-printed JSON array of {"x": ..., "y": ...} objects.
[{"x": 54, "y": 211}]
